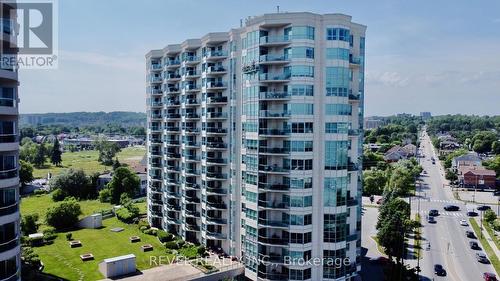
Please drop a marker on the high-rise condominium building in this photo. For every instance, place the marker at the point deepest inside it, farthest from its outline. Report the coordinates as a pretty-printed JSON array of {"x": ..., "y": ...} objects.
[
  {"x": 9, "y": 150},
  {"x": 254, "y": 143}
]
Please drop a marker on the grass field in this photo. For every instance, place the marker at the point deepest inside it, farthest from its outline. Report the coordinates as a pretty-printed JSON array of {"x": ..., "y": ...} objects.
[
  {"x": 486, "y": 246},
  {"x": 87, "y": 161},
  {"x": 492, "y": 234},
  {"x": 61, "y": 260}
]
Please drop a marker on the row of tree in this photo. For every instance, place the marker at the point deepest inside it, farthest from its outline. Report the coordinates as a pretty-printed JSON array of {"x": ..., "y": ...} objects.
[
  {"x": 399, "y": 179},
  {"x": 37, "y": 154}
]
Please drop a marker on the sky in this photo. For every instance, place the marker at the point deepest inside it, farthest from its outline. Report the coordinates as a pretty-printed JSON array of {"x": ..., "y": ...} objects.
[{"x": 426, "y": 55}]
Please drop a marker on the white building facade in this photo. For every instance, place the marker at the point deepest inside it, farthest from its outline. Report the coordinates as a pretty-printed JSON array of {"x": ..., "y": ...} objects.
[
  {"x": 254, "y": 143},
  {"x": 10, "y": 249}
]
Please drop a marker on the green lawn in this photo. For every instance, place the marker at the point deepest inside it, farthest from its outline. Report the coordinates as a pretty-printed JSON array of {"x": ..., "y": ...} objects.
[
  {"x": 39, "y": 204},
  {"x": 486, "y": 246},
  {"x": 61, "y": 260},
  {"x": 87, "y": 161},
  {"x": 492, "y": 234}
]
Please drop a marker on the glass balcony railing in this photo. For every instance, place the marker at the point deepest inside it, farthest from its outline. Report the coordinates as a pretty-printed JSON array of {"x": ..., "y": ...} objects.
[
  {"x": 215, "y": 220},
  {"x": 273, "y": 223},
  {"x": 216, "y": 130},
  {"x": 273, "y": 58},
  {"x": 274, "y": 186},
  {"x": 274, "y": 150},
  {"x": 215, "y": 235},
  {"x": 219, "y": 176},
  {"x": 215, "y": 69},
  {"x": 192, "y": 213},
  {"x": 8, "y": 138},
  {"x": 155, "y": 67},
  {"x": 155, "y": 79},
  {"x": 10, "y": 102},
  {"x": 173, "y": 76},
  {"x": 274, "y": 132},
  {"x": 214, "y": 115},
  {"x": 219, "y": 191},
  {"x": 8, "y": 173},
  {"x": 274, "y": 40},
  {"x": 215, "y": 145},
  {"x": 273, "y": 204},
  {"x": 9, "y": 209},
  {"x": 216, "y": 100},
  {"x": 173, "y": 116},
  {"x": 274, "y": 114},
  {"x": 273, "y": 169},
  {"x": 216, "y": 54},
  {"x": 173, "y": 63},
  {"x": 274, "y": 95},
  {"x": 213, "y": 85},
  {"x": 189, "y": 59},
  {"x": 274, "y": 77},
  {"x": 212, "y": 160}
]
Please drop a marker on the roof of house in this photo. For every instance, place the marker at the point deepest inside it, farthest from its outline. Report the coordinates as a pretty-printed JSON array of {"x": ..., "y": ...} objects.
[
  {"x": 394, "y": 155},
  {"x": 478, "y": 171},
  {"x": 471, "y": 156}
]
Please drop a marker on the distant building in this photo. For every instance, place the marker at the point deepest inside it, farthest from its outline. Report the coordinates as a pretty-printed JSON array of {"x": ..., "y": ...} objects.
[
  {"x": 397, "y": 153},
  {"x": 468, "y": 160},
  {"x": 373, "y": 146},
  {"x": 373, "y": 123},
  {"x": 425, "y": 115},
  {"x": 477, "y": 177}
]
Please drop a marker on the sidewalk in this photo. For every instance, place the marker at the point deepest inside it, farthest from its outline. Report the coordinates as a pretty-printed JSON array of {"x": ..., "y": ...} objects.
[{"x": 489, "y": 238}]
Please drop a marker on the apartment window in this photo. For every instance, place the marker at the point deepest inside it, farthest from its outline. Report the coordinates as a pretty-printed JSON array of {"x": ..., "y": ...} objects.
[
  {"x": 301, "y": 108},
  {"x": 299, "y": 53},
  {"x": 251, "y": 214},
  {"x": 301, "y": 201},
  {"x": 7, "y": 197},
  {"x": 336, "y": 155},
  {"x": 299, "y": 71},
  {"x": 251, "y": 144},
  {"x": 251, "y": 232},
  {"x": 331, "y": 270},
  {"x": 250, "y": 127},
  {"x": 301, "y": 90},
  {"x": 7, "y": 97},
  {"x": 334, "y": 228},
  {"x": 251, "y": 196},
  {"x": 338, "y": 109},
  {"x": 335, "y": 191},
  {"x": 336, "y": 128},
  {"x": 299, "y": 146},
  {"x": 341, "y": 34},
  {"x": 299, "y": 183},
  {"x": 299, "y": 32},
  {"x": 299, "y": 274},
  {"x": 299, "y": 164},
  {"x": 302, "y": 128},
  {"x": 337, "y": 54},
  {"x": 337, "y": 81},
  {"x": 298, "y": 219},
  {"x": 301, "y": 238},
  {"x": 251, "y": 179}
]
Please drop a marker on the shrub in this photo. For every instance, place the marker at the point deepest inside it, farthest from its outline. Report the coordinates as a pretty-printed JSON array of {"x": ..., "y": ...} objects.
[
  {"x": 124, "y": 215},
  {"x": 49, "y": 234},
  {"x": 29, "y": 224},
  {"x": 164, "y": 236},
  {"x": 201, "y": 250},
  {"x": 64, "y": 215},
  {"x": 143, "y": 223},
  {"x": 490, "y": 216},
  {"x": 58, "y": 195},
  {"x": 69, "y": 236},
  {"x": 150, "y": 231},
  {"x": 105, "y": 195},
  {"x": 39, "y": 191},
  {"x": 143, "y": 228},
  {"x": 172, "y": 245}
]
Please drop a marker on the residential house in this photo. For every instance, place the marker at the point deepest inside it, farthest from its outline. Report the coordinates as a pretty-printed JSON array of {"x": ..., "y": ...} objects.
[{"x": 470, "y": 159}]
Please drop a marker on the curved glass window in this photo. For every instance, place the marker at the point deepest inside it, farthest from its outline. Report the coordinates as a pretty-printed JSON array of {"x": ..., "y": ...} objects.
[
  {"x": 337, "y": 54},
  {"x": 300, "y": 32},
  {"x": 299, "y": 53}
]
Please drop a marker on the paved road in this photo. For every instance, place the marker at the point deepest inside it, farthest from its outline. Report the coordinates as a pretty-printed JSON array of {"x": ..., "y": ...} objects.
[
  {"x": 448, "y": 244},
  {"x": 369, "y": 271}
]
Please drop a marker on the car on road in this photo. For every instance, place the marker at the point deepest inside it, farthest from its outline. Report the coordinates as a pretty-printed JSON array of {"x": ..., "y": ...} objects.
[
  {"x": 433, "y": 213},
  {"x": 482, "y": 258},
  {"x": 451, "y": 208},
  {"x": 464, "y": 223},
  {"x": 470, "y": 234},
  {"x": 488, "y": 276},
  {"x": 496, "y": 193},
  {"x": 439, "y": 270},
  {"x": 483, "y": 208},
  {"x": 431, "y": 219},
  {"x": 472, "y": 213},
  {"x": 473, "y": 245}
]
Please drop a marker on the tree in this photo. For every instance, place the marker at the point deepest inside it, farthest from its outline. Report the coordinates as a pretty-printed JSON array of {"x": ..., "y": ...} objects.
[
  {"x": 105, "y": 195},
  {"x": 107, "y": 151},
  {"x": 74, "y": 183},
  {"x": 451, "y": 176},
  {"x": 25, "y": 172},
  {"x": 40, "y": 156},
  {"x": 55, "y": 153},
  {"x": 123, "y": 181},
  {"x": 29, "y": 224},
  {"x": 493, "y": 164},
  {"x": 116, "y": 164},
  {"x": 490, "y": 216},
  {"x": 482, "y": 142},
  {"x": 401, "y": 181},
  {"x": 64, "y": 215},
  {"x": 374, "y": 182},
  {"x": 371, "y": 159},
  {"x": 28, "y": 150},
  {"x": 495, "y": 147}
]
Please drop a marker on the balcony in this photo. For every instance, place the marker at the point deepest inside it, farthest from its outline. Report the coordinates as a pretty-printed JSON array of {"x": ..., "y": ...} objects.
[
  {"x": 192, "y": 186},
  {"x": 155, "y": 164},
  {"x": 352, "y": 166},
  {"x": 154, "y": 129},
  {"x": 214, "y": 220},
  {"x": 215, "y": 55},
  {"x": 274, "y": 78},
  {"x": 192, "y": 144},
  {"x": 273, "y": 59},
  {"x": 216, "y": 191},
  {"x": 354, "y": 61},
  {"x": 274, "y": 40},
  {"x": 172, "y": 77},
  {"x": 173, "y": 155},
  {"x": 273, "y": 240},
  {"x": 192, "y": 157},
  {"x": 173, "y": 207},
  {"x": 216, "y": 161},
  {"x": 192, "y": 227},
  {"x": 192, "y": 213},
  {"x": 215, "y": 70},
  {"x": 272, "y": 114},
  {"x": 156, "y": 213},
  {"x": 155, "y": 67},
  {"x": 216, "y": 100},
  {"x": 215, "y": 235},
  {"x": 8, "y": 174},
  {"x": 353, "y": 97},
  {"x": 191, "y": 60},
  {"x": 192, "y": 102},
  {"x": 155, "y": 79},
  {"x": 156, "y": 152},
  {"x": 156, "y": 177},
  {"x": 172, "y": 181},
  {"x": 192, "y": 200},
  {"x": 216, "y": 115},
  {"x": 273, "y": 275},
  {"x": 172, "y": 129},
  {"x": 215, "y": 145},
  {"x": 354, "y": 132},
  {"x": 172, "y": 220},
  {"x": 172, "y": 90},
  {"x": 172, "y": 103},
  {"x": 172, "y": 169},
  {"x": 274, "y": 132},
  {"x": 190, "y": 130},
  {"x": 156, "y": 201},
  {"x": 192, "y": 116},
  {"x": 274, "y": 169},
  {"x": 192, "y": 74},
  {"x": 270, "y": 96},
  {"x": 173, "y": 64},
  {"x": 192, "y": 172},
  {"x": 216, "y": 176},
  {"x": 273, "y": 223},
  {"x": 274, "y": 151},
  {"x": 151, "y": 104},
  {"x": 172, "y": 142},
  {"x": 155, "y": 140},
  {"x": 274, "y": 186},
  {"x": 212, "y": 85},
  {"x": 173, "y": 116},
  {"x": 155, "y": 91},
  {"x": 215, "y": 131},
  {"x": 9, "y": 209},
  {"x": 155, "y": 116},
  {"x": 274, "y": 205},
  {"x": 191, "y": 88},
  {"x": 173, "y": 194},
  {"x": 216, "y": 205}
]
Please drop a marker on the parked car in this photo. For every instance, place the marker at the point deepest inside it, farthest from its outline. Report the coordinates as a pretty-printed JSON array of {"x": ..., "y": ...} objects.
[
  {"x": 482, "y": 258},
  {"x": 464, "y": 223},
  {"x": 472, "y": 213},
  {"x": 439, "y": 270},
  {"x": 470, "y": 234},
  {"x": 433, "y": 213},
  {"x": 487, "y": 276},
  {"x": 451, "y": 208},
  {"x": 483, "y": 208},
  {"x": 473, "y": 245},
  {"x": 431, "y": 219}
]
